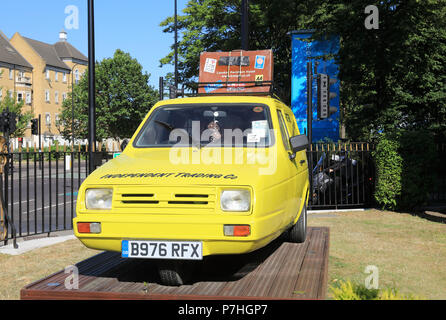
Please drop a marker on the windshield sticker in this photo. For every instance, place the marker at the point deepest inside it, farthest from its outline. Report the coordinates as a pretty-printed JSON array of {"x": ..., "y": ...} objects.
[
  {"x": 260, "y": 128},
  {"x": 168, "y": 174},
  {"x": 253, "y": 138}
]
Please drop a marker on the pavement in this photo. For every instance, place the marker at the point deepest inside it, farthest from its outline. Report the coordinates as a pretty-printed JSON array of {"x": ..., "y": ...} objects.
[{"x": 26, "y": 245}]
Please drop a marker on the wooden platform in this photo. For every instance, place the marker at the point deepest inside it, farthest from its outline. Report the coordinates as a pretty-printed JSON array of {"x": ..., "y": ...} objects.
[{"x": 281, "y": 270}]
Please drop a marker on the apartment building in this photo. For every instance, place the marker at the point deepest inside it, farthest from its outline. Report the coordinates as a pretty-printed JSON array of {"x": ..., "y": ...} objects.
[
  {"x": 55, "y": 68},
  {"x": 15, "y": 74}
]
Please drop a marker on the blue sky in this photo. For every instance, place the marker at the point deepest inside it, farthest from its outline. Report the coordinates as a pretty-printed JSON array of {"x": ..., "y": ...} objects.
[{"x": 131, "y": 25}]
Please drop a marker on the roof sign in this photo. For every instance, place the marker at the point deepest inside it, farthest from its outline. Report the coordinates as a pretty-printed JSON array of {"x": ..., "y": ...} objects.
[{"x": 236, "y": 72}]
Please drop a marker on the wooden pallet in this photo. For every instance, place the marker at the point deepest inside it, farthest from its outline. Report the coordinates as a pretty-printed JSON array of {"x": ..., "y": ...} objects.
[{"x": 281, "y": 270}]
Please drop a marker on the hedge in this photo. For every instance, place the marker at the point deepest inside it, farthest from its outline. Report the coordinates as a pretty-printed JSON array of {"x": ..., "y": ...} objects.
[{"x": 405, "y": 168}]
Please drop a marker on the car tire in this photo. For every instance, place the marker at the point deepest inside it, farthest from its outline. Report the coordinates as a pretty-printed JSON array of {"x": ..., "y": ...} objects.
[
  {"x": 174, "y": 273},
  {"x": 298, "y": 232}
]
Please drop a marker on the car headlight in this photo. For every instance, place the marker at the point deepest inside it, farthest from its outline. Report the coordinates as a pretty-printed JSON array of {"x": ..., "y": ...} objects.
[
  {"x": 99, "y": 198},
  {"x": 235, "y": 200}
]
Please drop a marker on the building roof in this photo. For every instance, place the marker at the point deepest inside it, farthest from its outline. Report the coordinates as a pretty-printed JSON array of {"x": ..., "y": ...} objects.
[
  {"x": 48, "y": 53},
  {"x": 10, "y": 55},
  {"x": 66, "y": 51}
]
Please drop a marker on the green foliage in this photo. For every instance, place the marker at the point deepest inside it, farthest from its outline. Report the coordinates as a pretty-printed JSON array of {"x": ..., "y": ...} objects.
[
  {"x": 392, "y": 77},
  {"x": 23, "y": 118},
  {"x": 419, "y": 153},
  {"x": 213, "y": 25},
  {"x": 347, "y": 290},
  {"x": 123, "y": 98},
  {"x": 388, "y": 163},
  {"x": 405, "y": 163}
]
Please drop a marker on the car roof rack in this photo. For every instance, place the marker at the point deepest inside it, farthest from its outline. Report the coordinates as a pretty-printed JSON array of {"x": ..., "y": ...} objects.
[
  {"x": 234, "y": 85},
  {"x": 271, "y": 91}
]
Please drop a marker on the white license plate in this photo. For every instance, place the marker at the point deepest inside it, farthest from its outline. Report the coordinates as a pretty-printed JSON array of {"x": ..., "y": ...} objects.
[{"x": 183, "y": 250}]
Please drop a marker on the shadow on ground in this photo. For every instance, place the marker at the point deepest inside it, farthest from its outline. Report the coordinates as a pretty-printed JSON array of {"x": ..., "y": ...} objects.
[
  {"x": 213, "y": 268},
  {"x": 434, "y": 213}
]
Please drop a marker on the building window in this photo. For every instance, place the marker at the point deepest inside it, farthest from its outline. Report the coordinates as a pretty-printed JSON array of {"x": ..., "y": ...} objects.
[
  {"x": 1, "y": 94},
  {"x": 56, "y": 119},
  {"x": 47, "y": 95},
  {"x": 76, "y": 76},
  {"x": 19, "y": 96},
  {"x": 64, "y": 96},
  {"x": 47, "y": 74},
  {"x": 28, "y": 98},
  {"x": 10, "y": 94},
  {"x": 64, "y": 77},
  {"x": 56, "y": 97},
  {"x": 48, "y": 119},
  {"x": 11, "y": 74},
  {"x": 56, "y": 76}
]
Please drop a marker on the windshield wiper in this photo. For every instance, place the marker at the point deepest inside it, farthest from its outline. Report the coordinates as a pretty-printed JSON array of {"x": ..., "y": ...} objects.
[{"x": 171, "y": 128}]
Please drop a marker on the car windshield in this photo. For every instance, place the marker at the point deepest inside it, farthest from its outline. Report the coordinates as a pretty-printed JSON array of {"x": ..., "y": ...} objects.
[{"x": 216, "y": 125}]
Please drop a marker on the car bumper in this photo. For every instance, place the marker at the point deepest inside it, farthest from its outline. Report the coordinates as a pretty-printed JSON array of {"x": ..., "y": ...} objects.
[{"x": 208, "y": 229}]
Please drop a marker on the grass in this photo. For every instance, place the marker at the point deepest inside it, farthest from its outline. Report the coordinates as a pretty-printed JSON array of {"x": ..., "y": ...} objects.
[
  {"x": 410, "y": 252},
  {"x": 18, "y": 271}
]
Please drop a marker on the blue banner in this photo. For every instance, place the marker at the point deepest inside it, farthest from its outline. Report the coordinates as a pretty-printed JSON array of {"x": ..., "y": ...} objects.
[{"x": 304, "y": 50}]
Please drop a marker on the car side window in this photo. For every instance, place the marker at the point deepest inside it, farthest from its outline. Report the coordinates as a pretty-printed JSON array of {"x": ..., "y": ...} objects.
[
  {"x": 283, "y": 130},
  {"x": 291, "y": 122}
]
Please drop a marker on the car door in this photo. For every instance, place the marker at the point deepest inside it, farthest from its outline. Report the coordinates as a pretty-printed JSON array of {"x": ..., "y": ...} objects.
[
  {"x": 300, "y": 160},
  {"x": 292, "y": 198}
]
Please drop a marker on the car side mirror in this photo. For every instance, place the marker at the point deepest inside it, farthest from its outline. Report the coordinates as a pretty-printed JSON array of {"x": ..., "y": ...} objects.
[{"x": 299, "y": 143}]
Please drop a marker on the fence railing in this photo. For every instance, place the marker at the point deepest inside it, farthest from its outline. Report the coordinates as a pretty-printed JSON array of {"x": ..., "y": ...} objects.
[
  {"x": 39, "y": 188},
  {"x": 341, "y": 175}
]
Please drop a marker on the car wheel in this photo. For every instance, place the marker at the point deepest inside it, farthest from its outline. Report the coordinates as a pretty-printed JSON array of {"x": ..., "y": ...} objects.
[
  {"x": 298, "y": 232},
  {"x": 174, "y": 273}
]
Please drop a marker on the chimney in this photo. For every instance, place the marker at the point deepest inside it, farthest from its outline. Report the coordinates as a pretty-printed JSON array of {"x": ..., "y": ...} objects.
[{"x": 63, "y": 35}]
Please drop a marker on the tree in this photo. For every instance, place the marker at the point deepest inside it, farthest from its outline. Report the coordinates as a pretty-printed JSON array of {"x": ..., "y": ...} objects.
[
  {"x": 215, "y": 25},
  {"x": 392, "y": 78},
  {"x": 123, "y": 98}
]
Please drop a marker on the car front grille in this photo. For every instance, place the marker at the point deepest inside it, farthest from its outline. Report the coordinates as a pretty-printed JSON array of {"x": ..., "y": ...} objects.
[{"x": 161, "y": 199}]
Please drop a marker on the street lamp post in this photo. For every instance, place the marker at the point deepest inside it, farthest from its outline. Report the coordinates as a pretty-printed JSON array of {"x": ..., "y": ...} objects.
[
  {"x": 91, "y": 88},
  {"x": 176, "y": 48},
  {"x": 245, "y": 25}
]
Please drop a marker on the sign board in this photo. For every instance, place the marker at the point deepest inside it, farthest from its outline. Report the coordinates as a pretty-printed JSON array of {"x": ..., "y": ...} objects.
[
  {"x": 322, "y": 95},
  {"x": 236, "y": 72}
]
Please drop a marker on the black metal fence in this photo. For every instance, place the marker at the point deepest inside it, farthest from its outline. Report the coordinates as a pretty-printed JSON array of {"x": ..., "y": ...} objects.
[
  {"x": 341, "y": 176},
  {"x": 39, "y": 189}
]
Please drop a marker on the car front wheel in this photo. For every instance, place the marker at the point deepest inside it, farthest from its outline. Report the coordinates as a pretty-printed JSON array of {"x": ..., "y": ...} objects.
[{"x": 174, "y": 273}]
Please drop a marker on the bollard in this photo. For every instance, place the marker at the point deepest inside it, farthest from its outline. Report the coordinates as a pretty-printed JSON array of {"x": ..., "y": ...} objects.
[{"x": 68, "y": 162}]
